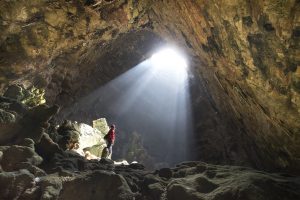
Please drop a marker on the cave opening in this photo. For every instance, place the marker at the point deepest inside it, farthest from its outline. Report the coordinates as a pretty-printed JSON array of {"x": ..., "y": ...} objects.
[{"x": 151, "y": 107}]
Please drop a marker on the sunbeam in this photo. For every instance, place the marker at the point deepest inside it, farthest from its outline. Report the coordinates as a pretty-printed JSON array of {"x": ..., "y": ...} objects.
[{"x": 152, "y": 99}]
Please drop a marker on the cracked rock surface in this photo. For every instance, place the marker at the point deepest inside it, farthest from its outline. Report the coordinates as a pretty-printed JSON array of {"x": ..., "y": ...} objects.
[{"x": 244, "y": 85}]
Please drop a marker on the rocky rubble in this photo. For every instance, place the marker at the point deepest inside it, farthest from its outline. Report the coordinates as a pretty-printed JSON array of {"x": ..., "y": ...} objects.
[
  {"x": 193, "y": 180},
  {"x": 20, "y": 121},
  {"x": 32, "y": 168}
]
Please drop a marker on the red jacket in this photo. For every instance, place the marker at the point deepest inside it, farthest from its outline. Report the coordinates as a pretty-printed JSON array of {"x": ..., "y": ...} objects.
[{"x": 111, "y": 135}]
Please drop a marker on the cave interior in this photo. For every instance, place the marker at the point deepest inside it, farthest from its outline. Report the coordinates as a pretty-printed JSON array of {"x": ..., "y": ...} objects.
[{"x": 236, "y": 103}]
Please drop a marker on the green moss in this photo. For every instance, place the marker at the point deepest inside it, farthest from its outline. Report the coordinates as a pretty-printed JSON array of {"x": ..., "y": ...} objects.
[
  {"x": 34, "y": 97},
  {"x": 30, "y": 97}
]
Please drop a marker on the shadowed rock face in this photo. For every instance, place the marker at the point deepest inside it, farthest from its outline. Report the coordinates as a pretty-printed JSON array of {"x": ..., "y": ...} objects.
[
  {"x": 244, "y": 57},
  {"x": 249, "y": 61}
]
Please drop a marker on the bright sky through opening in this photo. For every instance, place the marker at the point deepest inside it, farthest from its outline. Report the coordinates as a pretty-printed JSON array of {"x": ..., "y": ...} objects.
[{"x": 169, "y": 58}]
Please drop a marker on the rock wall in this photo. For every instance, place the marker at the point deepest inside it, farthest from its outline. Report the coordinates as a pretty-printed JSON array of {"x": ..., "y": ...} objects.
[
  {"x": 44, "y": 42},
  {"x": 244, "y": 57},
  {"x": 249, "y": 63}
]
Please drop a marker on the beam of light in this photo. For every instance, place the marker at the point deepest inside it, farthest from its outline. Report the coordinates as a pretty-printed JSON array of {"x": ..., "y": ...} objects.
[{"x": 152, "y": 99}]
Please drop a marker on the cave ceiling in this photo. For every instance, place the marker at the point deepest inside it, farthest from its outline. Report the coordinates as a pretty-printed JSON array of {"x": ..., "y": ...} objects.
[{"x": 245, "y": 54}]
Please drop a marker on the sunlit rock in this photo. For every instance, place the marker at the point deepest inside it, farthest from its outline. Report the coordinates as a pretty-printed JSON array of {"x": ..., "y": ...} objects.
[
  {"x": 31, "y": 96},
  {"x": 121, "y": 162},
  {"x": 101, "y": 125},
  {"x": 88, "y": 155},
  {"x": 91, "y": 139}
]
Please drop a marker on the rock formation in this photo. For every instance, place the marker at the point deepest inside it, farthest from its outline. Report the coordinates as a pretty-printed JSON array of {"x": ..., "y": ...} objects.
[
  {"x": 244, "y": 59},
  {"x": 101, "y": 180},
  {"x": 33, "y": 168},
  {"x": 244, "y": 84}
]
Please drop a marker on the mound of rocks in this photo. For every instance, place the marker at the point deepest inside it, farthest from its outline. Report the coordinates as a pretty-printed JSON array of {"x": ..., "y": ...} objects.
[
  {"x": 197, "y": 180},
  {"x": 19, "y": 121},
  {"x": 36, "y": 163}
]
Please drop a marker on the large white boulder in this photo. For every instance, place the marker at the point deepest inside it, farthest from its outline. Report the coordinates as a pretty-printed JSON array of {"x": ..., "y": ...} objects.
[
  {"x": 101, "y": 125},
  {"x": 90, "y": 137}
]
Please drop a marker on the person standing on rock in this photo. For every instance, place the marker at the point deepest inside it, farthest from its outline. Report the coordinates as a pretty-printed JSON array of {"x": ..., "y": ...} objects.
[{"x": 110, "y": 138}]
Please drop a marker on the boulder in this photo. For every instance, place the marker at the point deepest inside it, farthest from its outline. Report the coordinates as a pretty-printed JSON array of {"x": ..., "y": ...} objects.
[
  {"x": 12, "y": 106},
  {"x": 151, "y": 179},
  {"x": 31, "y": 97},
  {"x": 99, "y": 185},
  {"x": 16, "y": 156},
  {"x": 155, "y": 190},
  {"x": 69, "y": 133},
  {"x": 50, "y": 187},
  {"x": 31, "y": 168},
  {"x": 106, "y": 161},
  {"x": 47, "y": 148},
  {"x": 212, "y": 182},
  {"x": 67, "y": 160},
  {"x": 23, "y": 185},
  {"x": 32, "y": 124},
  {"x": 165, "y": 173},
  {"x": 28, "y": 143},
  {"x": 14, "y": 92},
  {"x": 14, "y": 184},
  {"x": 91, "y": 139},
  {"x": 136, "y": 166},
  {"x": 101, "y": 125}
]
